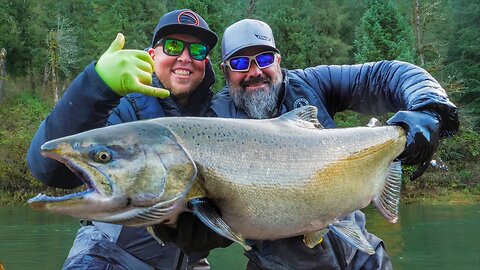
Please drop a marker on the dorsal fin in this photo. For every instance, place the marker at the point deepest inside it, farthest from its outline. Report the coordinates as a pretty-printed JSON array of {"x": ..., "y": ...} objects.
[
  {"x": 374, "y": 123},
  {"x": 305, "y": 116}
]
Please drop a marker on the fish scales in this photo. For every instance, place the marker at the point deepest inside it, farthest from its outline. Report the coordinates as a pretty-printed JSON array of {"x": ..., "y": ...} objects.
[{"x": 288, "y": 163}]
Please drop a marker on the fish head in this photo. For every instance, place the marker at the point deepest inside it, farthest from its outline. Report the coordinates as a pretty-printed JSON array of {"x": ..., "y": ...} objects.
[{"x": 130, "y": 171}]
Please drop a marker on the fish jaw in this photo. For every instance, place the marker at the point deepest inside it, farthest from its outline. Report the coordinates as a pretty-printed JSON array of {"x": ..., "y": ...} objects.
[
  {"x": 135, "y": 174},
  {"x": 99, "y": 196},
  {"x": 78, "y": 204}
]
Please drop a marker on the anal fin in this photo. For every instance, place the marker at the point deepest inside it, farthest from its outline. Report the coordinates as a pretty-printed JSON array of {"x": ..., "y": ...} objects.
[{"x": 312, "y": 239}]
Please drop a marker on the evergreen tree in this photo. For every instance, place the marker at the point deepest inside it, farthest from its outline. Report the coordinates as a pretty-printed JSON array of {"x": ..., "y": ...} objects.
[
  {"x": 464, "y": 57},
  {"x": 309, "y": 33},
  {"x": 383, "y": 34}
]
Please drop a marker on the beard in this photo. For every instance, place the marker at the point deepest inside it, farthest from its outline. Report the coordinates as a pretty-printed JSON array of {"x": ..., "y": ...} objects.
[{"x": 260, "y": 103}]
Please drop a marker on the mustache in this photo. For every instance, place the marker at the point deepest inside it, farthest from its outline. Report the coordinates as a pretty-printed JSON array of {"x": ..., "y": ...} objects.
[{"x": 259, "y": 79}]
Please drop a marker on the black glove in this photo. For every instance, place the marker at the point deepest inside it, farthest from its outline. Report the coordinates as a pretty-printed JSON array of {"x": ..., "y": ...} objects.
[
  {"x": 423, "y": 129},
  {"x": 191, "y": 235}
]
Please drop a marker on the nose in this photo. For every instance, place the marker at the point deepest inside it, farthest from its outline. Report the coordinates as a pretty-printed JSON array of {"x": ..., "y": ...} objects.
[
  {"x": 184, "y": 56},
  {"x": 254, "y": 71}
]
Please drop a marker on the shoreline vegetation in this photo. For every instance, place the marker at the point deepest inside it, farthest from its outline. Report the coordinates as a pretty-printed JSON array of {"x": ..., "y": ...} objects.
[{"x": 441, "y": 196}]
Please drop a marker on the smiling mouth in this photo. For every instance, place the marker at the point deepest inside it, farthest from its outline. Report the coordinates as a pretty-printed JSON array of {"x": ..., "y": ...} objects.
[
  {"x": 181, "y": 72},
  {"x": 258, "y": 84}
]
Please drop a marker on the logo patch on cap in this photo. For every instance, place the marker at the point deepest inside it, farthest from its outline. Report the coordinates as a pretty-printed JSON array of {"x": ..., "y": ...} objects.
[
  {"x": 263, "y": 37},
  {"x": 188, "y": 17}
]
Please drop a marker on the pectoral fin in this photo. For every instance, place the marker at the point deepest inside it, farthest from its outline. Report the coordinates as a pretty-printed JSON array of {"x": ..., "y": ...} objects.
[
  {"x": 350, "y": 232},
  {"x": 207, "y": 213},
  {"x": 312, "y": 239}
]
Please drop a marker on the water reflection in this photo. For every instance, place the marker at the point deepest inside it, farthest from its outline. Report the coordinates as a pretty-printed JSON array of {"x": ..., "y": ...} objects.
[
  {"x": 426, "y": 237},
  {"x": 34, "y": 240},
  {"x": 431, "y": 237}
]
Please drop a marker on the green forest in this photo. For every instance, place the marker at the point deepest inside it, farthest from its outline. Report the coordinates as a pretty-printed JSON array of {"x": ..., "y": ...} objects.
[{"x": 45, "y": 44}]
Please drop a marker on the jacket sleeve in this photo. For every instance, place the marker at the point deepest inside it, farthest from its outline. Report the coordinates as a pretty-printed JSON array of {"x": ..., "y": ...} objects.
[
  {"x": 86, "y": 104},
  {"x": 380, "y": 87}
]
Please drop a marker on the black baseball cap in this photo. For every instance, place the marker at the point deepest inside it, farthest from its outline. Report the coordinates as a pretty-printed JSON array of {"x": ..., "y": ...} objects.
[{"x": 187, "y": 22}]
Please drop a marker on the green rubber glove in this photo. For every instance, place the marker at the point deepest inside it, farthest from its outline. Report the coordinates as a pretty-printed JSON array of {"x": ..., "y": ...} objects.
[{"x": 128, "y": 71}]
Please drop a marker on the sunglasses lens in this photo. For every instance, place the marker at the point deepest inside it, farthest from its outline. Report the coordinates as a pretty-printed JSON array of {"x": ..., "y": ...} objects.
[
  {"x": 173, "y": 47},
  {"x": 265, "y": 59},
  {"x": 198, "y": 51},
  {"x": 240, "y": 63}
]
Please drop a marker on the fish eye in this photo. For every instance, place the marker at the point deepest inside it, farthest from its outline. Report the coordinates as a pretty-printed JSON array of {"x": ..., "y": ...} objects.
[{"x": 102, "y": 155}]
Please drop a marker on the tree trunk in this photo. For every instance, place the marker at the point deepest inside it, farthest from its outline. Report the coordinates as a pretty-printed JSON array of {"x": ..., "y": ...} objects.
[
  {"x": 250, "y": 9},
  {"x": 54, "y": 63},
  {"x": 418, "y": 33},
  {"x": 3, "y": 69}
]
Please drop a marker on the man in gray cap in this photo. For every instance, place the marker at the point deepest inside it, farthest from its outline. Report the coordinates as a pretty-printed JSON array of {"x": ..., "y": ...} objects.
[
  {"x": 257, "y": 87},
  {"x": 174, "y": 78}
]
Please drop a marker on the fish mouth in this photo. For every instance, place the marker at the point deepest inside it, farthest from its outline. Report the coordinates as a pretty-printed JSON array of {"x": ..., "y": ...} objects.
[
  {"x": 93, "y": 202},
  {"x": 80, "y": 172}
]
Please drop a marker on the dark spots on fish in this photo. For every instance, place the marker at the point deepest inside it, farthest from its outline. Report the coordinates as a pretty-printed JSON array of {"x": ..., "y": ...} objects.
[{"x": 129, "y": 201}]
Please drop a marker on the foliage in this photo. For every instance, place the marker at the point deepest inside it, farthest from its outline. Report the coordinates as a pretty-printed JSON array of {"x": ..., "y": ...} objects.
[
  {"x": 463, "y": 62},
  {"x": 383, "y": 34},
  {"x": 308, "y": 33}
]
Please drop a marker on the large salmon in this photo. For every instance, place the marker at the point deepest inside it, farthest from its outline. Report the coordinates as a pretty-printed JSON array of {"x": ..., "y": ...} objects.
[{"x": 270, "y": 179}]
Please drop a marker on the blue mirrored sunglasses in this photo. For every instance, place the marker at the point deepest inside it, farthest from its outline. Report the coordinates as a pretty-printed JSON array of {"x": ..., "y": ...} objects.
[{"x": 242, "y": 63}]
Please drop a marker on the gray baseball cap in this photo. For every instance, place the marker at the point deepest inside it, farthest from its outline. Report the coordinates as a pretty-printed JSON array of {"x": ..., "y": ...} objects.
[{"x": 246, "y": 33}]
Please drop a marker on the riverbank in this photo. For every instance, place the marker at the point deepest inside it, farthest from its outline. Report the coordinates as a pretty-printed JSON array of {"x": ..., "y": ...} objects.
[
  {"x": 410, "y": 195},
  {"x": 440, "y": 197}
]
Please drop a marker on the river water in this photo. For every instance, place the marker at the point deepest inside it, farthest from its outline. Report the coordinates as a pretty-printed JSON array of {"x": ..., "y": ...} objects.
[{"x": 426, "y": 237}]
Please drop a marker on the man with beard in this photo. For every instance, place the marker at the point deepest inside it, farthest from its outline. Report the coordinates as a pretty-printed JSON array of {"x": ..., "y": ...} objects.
[{"x": 257, "y": 87}]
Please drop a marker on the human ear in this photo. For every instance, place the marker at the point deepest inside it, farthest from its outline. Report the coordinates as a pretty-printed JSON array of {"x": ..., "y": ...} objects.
[
  {"x": 151, "y": 52},
  {"x": 222, "y": 67}
]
